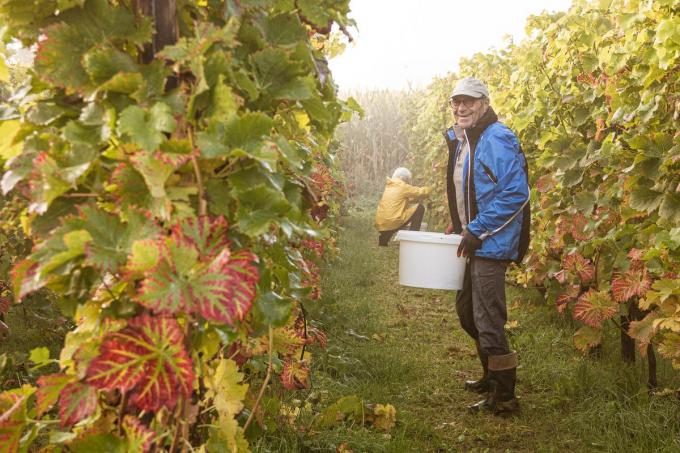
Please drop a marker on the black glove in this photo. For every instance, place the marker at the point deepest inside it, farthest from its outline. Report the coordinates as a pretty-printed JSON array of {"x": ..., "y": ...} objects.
[{"x": 468, "y": 244}]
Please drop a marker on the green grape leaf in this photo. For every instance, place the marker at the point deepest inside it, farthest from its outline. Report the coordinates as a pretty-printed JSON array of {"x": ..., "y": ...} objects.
[
  {"x": 129, "y": 188},
  {"x": 146, "y": 129},
  {"x": 670, "y": 208},
  {"x": 58, "y": 56},
  {"x": 111, "y": 238},
  {"x": 103, "y": 62},
  {"x": 644, "y": 199},
  {"x": 147, "y": 360},
  {"x": 98, "y": 442},
  {"x": 45, "y": 183},
  {"x": 245, "y": 132},
  {"x": 124, "y": 82},
  {"x": 155, "y": 170},
  {"x": 284, "y": 30},
  {"x": 272, "y": 309}
]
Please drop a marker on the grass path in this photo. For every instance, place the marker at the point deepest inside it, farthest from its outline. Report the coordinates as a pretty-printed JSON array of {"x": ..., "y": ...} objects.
[{"x": 403, "y": 346}]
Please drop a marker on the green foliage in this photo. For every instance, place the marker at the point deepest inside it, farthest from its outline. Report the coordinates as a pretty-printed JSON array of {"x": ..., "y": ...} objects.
[{"x": 168, "y": 196}]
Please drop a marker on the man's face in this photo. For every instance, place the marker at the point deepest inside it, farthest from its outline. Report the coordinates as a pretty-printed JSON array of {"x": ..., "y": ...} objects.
[{"x": 467, "y": 110}]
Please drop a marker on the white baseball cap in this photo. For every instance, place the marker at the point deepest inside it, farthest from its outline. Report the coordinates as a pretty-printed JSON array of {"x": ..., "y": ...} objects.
[{"x": 469, "y": 86}]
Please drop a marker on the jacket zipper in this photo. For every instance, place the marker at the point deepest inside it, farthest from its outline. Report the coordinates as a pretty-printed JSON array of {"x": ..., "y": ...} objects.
[{"x": 470, "y": 163}]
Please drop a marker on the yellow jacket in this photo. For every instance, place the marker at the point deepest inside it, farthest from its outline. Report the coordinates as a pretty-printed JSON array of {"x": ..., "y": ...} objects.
[{"x": 398, "y": 204}]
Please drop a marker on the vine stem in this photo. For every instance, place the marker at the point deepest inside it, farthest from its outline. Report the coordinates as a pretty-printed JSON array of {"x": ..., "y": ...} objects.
[
  {"x": 121, "y": 411},
  {"x": 4, "y": 417},
  {"x": 266, "y": 379},
  {"x": 202, "y": 204}
]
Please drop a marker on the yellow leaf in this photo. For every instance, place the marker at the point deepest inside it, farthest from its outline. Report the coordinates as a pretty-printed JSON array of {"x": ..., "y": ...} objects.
[
  {"x": 225, "y": 388},
  {"x": 302, "y": 119},
  {"x": 4, "y": 72},
  {"x": 512, "y": 325},
  {"x": 385, "y": 416},
  {"x": 8, "y": 130}
]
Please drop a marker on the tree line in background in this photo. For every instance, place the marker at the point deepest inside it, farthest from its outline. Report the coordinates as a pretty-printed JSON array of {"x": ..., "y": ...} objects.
[{"x": 593, "y": 94}]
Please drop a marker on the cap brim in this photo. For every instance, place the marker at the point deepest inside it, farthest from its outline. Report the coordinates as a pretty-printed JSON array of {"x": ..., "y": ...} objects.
[{"x": 472, "y": 94}]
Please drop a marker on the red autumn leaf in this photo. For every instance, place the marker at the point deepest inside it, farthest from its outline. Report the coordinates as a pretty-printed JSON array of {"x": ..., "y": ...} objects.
[
  {"x": 146, "y": 359},
  {"x": 139, "y": 437},
  {"x": 49, "y": 389},
  {"x": 314, "y": 246},
  {"x": 207, "y": 235},
  {"x": 560, "y": 276},
  {"x": 76, "y": 402},
  {"x": 312, "y": 279},
  {"x": 295, "y": 375},
  {"x": 24, "y": 278},
  {"x": 630, "y": 284},
  {"x": 636, "y": 260},
  {"x": 5, "y": 303},
  {"x": 233, "y": 279},
  {"x": 579, "y": 222},
  {"x": 636, "y": 254},
  {"x": 579, "y": 266},
  {"x": 594, "y": 307},
  {"x": 571, "y": 293},
  {"x": 318, "y": 336},
  {"x": 545, "y": 183},
  {"x": 198, "y": 273}
]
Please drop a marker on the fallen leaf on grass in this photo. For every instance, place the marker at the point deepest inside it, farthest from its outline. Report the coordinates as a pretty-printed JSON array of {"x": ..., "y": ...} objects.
[{"x": 512, "y": 325}]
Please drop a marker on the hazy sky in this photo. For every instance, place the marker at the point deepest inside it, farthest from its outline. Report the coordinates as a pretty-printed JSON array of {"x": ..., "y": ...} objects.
[{"x": 402, "y": 41}]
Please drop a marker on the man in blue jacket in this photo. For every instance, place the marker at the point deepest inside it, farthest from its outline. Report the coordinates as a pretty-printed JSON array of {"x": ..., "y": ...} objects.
[{"x": 488, "y": 196}]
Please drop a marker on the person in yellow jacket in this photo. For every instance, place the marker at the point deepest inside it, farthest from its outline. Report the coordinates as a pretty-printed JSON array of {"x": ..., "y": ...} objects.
[{"x": 399, "y": 206}]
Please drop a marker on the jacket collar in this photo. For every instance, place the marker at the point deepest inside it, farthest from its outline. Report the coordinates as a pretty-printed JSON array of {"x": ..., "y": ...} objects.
[{"x": 485, "y": 121}]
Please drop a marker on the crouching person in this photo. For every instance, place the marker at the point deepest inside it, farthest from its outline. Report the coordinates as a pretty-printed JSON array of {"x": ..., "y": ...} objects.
[
  {"x": 399, "y": 206},
  {"x": 488, "y": 195}
]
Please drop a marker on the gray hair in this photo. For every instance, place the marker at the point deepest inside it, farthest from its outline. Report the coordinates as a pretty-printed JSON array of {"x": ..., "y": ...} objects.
[{"x": 402, "y": 173}]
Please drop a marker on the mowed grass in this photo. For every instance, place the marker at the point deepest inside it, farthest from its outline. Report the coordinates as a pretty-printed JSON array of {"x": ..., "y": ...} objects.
[{"x": 403, "y": 346}]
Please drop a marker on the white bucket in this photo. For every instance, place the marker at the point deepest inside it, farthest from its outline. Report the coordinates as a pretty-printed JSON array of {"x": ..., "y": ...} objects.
[{"x": 428, "y": 260}]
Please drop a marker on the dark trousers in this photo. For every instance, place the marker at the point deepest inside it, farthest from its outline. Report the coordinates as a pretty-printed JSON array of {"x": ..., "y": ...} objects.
[
  {"x": 481, "y": 305},
  {"x": 415, "y": 220}
]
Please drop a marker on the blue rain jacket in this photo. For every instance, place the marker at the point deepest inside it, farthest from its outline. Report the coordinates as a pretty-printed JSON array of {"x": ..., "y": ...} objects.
[{"x": 497, "y": 200}]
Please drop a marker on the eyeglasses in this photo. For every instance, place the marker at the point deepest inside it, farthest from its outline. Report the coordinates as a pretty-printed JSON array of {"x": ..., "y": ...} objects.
[{"x": 467, "y": 102}]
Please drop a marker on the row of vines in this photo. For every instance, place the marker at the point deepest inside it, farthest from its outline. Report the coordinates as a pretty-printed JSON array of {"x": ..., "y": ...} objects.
[
  {"x": 172, "y": 165},
  {"x": 594, "y": 96}
]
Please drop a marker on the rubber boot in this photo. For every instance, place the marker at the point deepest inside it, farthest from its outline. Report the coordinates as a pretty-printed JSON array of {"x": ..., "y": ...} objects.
[
  {"x": 501, "y": 398},
  {"x": 481, "y": 385}
]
